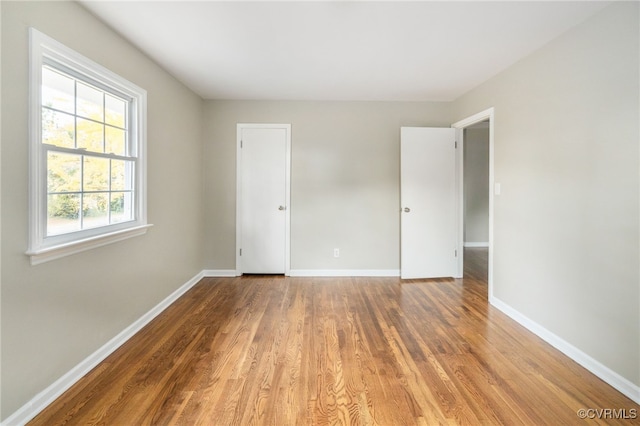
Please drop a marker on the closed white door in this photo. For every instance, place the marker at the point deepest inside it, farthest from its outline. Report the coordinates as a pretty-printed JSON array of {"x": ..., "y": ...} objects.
[
  {"x": 263, "y": 157},
  {"x": 428, "y": 202}
]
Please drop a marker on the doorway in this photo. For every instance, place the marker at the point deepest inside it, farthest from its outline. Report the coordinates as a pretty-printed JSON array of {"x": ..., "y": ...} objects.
[
  {"x": 263, "y": 199},
  {"x": 476, "y": 199},
  {"x": 464, "y": 129}
]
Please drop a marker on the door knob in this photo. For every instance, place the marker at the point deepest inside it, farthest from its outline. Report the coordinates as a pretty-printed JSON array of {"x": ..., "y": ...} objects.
[
  {"x": 407, "y": 209},
  {"x": 282, "y": 208}
]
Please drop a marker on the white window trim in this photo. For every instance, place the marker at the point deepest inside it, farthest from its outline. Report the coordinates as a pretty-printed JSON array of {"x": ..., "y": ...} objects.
[{"x": 41, "y": 249}]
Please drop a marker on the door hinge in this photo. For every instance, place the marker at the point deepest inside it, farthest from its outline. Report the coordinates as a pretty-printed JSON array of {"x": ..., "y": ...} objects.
[
  {"x": 240, "y": 252},
  {"x": 456, "y": 144},
  {"x": 455, "y": 253},
  {"x": 240, "y": 144}
]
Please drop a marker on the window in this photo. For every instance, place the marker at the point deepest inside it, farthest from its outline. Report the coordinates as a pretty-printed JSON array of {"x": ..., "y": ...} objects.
[{"x": 87, "y": 152}]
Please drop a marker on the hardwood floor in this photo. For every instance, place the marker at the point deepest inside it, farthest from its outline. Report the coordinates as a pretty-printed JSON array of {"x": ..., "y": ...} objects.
[{"x": 273, "y": 350}]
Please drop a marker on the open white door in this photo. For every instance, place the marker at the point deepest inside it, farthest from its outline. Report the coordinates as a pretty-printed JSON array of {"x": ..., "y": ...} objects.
[
  {"x": 429, "y": 234},
  {"x": 263, "y": 199}
]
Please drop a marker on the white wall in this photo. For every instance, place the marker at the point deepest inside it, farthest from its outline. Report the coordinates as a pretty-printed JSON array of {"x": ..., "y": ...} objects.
[
  {"x": 476, "y": 185},
  {"x": 345, "y": 177},
  {"x": 567, "y": 157},
  {"x": 56, "y": 314}
]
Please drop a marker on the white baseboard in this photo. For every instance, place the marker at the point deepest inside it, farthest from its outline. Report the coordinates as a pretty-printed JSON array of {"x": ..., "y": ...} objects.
[
  {"x": 344, "y": 273},
  {"x": 475, "y": 244},
  {"x": 614, "y": 379},
  {"x": 219, "y": 273},
  {"x": 39, "y": 402},
  {"x": 314, "y": 273}
]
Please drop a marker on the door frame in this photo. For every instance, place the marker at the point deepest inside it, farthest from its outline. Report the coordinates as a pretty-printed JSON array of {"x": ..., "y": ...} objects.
[
  {"x": 460, "y": 126},
  {"x": 239, "y": 207}
]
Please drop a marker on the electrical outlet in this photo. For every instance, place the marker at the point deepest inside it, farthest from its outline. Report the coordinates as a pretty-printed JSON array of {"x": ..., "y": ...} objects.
[{"x": 336, "y": 252}]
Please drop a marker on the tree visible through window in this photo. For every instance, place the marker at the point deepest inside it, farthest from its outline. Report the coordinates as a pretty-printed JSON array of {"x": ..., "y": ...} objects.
[{"x": 89, "y": 175}]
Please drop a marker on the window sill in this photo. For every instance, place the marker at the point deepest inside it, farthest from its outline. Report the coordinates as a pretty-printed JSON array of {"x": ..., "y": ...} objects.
[{"x": 62, "y": 250}]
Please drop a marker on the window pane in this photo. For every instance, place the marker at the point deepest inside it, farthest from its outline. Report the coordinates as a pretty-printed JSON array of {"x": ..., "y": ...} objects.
[
  {"x": 96, "y": 174},
  {"x": 95, "y": 210},
  {"x": 90, "y": 135},
  {"x": 115, "y": 141},
  {"x": 63, "y": 213},
  {"x": 57, "y": 128},
  {"x": 121, "y": 175},
  {"x": 90, "y": 102},
  {"x": 116, "y": 111},
  {"x": 63, "y": 172},
  {"x": 121, "y": 207},
  {"x": 57, "y": 90}
]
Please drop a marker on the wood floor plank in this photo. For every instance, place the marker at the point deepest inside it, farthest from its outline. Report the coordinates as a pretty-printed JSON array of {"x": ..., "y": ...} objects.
[{"x": 274, "y": 350}]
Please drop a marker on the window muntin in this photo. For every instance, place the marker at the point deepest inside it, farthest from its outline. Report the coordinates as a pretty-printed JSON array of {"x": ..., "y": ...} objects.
[{"x": 87, "y": 153}]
